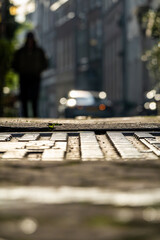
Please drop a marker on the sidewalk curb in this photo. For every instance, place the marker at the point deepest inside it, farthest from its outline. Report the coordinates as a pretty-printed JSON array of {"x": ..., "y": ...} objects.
[{"x": 108, "y": 124}]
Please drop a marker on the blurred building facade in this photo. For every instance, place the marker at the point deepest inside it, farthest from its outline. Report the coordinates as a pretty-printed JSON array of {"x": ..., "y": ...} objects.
[
  {"x": 71, "y": 34},
  {"x": 92, "y": 45},
  {"x": 113, "y": 57},
  {"x": 89, "y": 44},
  {"x": 125, "y": 76},
  {"x": 65, "y": 25},
  {"x": 44, "y": 24}
]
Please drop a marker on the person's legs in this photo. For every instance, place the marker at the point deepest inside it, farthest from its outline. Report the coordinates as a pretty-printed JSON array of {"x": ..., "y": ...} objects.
[
  {"x": 35, "y": 95},
  {"x": 24, "y": 95}
]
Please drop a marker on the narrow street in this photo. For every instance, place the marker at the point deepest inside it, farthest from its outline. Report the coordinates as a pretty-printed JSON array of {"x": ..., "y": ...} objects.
[
  {"x": 83, "y": 179},
  {"x": 79, "y": 120}
]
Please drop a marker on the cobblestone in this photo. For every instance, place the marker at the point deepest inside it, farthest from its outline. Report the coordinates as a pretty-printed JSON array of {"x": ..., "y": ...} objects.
[{"x": 65, "y": 197}]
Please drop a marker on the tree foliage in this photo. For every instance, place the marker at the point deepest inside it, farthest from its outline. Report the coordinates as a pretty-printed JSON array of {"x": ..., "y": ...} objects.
[
  {"x": 149, "y": 20},
  {"x": 152, "y": 57},
  {"x": 8, "y": 27},
  {"x": 6, "y": 53}
]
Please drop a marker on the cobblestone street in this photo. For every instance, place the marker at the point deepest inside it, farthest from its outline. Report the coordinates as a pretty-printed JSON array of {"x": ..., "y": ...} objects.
[
  {"x": 95, "y": 183},
  {"x": 79, "y": 119}
]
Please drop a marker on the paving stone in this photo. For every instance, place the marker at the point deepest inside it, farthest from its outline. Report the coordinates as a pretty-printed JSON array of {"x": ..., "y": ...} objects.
[
  {"x": 5, "y": 146},
  {"x": 53, "y": 155},
  {"x": 140, "y": 135},
  {"x": 5, "y": 137},
  {"x": 15, "y": 154},
  {"x": 35, "y": 145},
  {"x": 90, "y": 149},
  {"x": 60, "y": 145},
  {"x": 124, "y": 147},
  {"x": 59, "y": 136},
  {"x": 151, "y": 147},
  {"x": 29, "y": 137}
]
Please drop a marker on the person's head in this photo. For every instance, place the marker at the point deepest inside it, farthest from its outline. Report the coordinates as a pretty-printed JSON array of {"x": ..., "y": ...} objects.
[{"x": 30, "y": 40}]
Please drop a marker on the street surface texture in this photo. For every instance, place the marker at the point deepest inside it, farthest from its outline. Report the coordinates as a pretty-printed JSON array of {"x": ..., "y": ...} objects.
[{"x": 80, "y": 180}]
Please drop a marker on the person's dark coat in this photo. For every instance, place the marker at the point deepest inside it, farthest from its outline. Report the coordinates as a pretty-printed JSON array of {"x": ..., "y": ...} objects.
[{"x": 29, "y": 62}]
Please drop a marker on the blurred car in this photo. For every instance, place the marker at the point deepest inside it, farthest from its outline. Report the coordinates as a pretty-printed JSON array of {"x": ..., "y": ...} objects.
[
  {"x": 151, "y": 103},
  {"x": 85, "y": 103}
]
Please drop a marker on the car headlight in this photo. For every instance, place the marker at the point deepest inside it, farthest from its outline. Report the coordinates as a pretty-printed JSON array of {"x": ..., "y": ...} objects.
[
  {"x": 102, "y": 95},
  {"x": 63, "y": 101},
  {"x": 71, "y": 102},
  {"x": 153, "y": 106},
  {"x": 146, "y": 105},
  {"x": 150, "y": 106},
  {"x": 151, "y": 94}
]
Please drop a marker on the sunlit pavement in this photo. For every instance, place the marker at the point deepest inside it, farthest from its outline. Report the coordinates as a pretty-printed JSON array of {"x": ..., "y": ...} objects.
[{"x": 116, "y": 196}]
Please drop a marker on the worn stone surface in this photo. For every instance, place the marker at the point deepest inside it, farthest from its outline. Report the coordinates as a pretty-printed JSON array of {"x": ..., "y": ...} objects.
[
  {"x": 129, "y": 190},
  {"x": 81, "y": 220},
  {"x": 80, "y": 146},
  {"x": 21, "y": 124}
]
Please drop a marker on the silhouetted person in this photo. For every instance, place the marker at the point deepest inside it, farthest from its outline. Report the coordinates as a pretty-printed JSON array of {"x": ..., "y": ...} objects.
[{"x": 29, "y": 62}]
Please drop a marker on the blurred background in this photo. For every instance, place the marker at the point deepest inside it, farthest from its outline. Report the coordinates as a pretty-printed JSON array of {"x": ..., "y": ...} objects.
[{"x": 109, "y": 48}]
